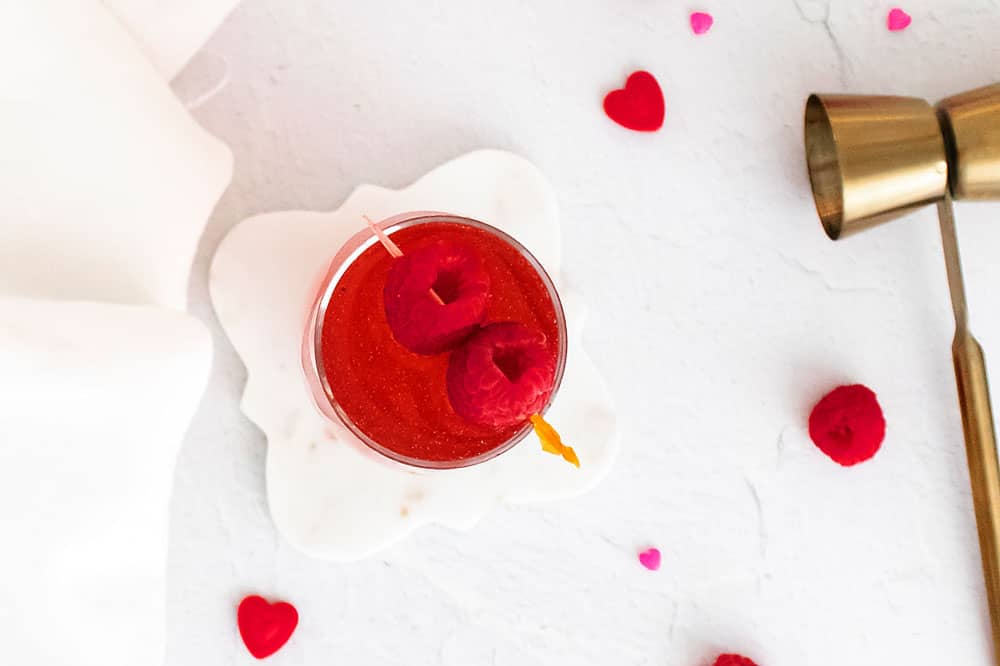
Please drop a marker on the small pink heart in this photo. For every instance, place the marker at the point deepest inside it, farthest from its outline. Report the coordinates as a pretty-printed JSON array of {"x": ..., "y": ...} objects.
[
  {"x": 898, "y": 20},
  {"x": 650, "y": 559},
  {"x": 701, "y": 22}
]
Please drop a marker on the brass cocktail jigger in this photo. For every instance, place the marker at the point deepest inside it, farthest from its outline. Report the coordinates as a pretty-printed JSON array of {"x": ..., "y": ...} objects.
[{"x": 872, "y": 159}]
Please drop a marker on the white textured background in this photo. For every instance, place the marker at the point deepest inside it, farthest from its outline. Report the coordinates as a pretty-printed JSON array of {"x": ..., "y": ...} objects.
[{"x": 720, "y": 314}]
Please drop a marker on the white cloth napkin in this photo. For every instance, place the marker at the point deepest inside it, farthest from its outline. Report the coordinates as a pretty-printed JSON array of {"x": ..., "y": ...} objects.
[
  {"x": 171, "y": 31},
  {"x": 107, "y": 179},
  {"x": 94, "y": 403},
  {"x": 107, "y": 183}
]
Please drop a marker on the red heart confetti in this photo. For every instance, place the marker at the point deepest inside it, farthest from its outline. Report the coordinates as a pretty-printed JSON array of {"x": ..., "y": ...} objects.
[
  {"x": 701, "y": 22},
  {"x": 650, "y": 558},
  {"x": 639, "y": 105},
  {"x": 265, "y": 627},
  {"x": 848, "y": 425},
  {"x": 898, "y": 20},
  {"x": 733, "y": 660}
]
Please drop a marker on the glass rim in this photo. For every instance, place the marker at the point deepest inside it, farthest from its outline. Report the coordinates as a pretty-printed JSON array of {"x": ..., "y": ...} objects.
[{"x": 313, "y": 353}]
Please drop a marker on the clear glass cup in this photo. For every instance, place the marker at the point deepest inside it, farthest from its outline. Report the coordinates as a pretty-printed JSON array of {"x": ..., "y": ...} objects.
[{"x": 312, "y": 356}]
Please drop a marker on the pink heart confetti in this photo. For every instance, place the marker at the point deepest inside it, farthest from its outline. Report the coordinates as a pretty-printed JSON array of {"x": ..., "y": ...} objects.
[
  {"x": 701, "y": 22},
  {"x": 898, "y": 20},
  {"x": 650, "y": 559}
]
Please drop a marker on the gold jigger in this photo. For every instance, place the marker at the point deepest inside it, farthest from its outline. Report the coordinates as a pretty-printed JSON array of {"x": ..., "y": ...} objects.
[
  {"x": 971, "y": 124},
  {"x": 872, "y": 159}
]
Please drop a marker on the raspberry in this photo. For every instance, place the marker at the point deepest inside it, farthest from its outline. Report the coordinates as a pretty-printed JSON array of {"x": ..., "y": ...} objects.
[
  {"x": 733, "y": 660},
  {"x": 847, "y": 425},
  {"x": 501, "y": 376},
  {"x": 452, "y": 272}
]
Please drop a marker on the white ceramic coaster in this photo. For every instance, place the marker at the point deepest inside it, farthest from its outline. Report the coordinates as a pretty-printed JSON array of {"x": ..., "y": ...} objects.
[
  {"x": 107, "y": 180},
  {"x": 328, "y": 497},
  {"x": 96, "y": 399}
]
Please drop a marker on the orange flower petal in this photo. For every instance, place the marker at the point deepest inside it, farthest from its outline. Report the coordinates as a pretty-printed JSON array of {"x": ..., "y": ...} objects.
[{"x": 552, "y": 442}]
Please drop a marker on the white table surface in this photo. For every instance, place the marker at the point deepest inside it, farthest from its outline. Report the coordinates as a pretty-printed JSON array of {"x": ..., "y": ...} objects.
[{"x": 720, "y": 313}]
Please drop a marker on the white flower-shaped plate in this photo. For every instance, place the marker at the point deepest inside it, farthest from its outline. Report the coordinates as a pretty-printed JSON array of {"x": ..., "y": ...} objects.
[{"x": 328, "y": 496}]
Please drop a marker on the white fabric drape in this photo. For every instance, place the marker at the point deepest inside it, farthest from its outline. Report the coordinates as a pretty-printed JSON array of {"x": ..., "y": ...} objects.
[
  {"x": 171, "y": 31},
  {"x": 105, "y": 186}
]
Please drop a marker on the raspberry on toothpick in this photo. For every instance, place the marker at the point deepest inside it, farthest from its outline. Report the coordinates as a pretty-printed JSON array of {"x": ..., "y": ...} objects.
[
  {"x": 435, "y": 297},
  {"x": 499, "y": 375},
  {"x": 503, "y": 375}
]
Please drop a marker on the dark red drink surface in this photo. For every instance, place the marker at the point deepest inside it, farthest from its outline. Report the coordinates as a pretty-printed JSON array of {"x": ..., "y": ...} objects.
[{"x": 399, "y": 399}]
